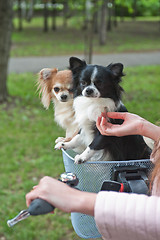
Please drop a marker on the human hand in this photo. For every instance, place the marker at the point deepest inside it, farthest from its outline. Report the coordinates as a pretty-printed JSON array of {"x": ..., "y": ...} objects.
[
  {"x": 132, "y": 125},
  {"x": 63, "y": 197},
  {"x": 53, "y": 191}
]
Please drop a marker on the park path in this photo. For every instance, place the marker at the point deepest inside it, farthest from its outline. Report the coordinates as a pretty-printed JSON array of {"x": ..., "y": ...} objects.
[{"x": 35, "y": 64}]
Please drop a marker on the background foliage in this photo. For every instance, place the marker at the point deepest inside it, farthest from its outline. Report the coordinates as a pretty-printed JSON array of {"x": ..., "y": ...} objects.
[{"x": 28, "y": 132}]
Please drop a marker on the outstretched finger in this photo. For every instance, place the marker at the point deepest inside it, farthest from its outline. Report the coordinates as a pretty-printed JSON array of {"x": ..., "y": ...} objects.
[{"x": 117, "y": 115}]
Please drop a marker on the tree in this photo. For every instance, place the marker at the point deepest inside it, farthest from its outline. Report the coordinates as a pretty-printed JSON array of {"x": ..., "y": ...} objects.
[
  {"x": 134, "y": 9},
  {"x": 19, "y": 16},
  {"x": 30, "y": 8},
  {"x": 88, "y": 36},
  {"x": 95, "y": 16},
  {"x": 114, "y": 13},
  {"x": 65, "y": 13},
  {"x": 45, "y": 11},
  {"x": 5, "y": 44},
  {"x": 54, "y": 13},
  {"x": 102, "y": 30},
  {"x": 109, "y": 12}
]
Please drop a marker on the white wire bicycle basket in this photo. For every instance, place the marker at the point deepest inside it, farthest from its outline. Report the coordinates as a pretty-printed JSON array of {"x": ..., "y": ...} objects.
[{"x": 91, "y": 176}]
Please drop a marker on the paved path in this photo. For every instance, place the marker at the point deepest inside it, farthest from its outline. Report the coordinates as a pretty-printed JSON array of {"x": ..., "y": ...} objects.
[{"x": 35, "y": 64}]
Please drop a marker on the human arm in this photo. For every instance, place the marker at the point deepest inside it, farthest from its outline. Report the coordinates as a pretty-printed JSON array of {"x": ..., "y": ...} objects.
[
  {"x": 120, "y": 216},
  {"x": 61, "y": 196},
  {"x": 132, "y": 125},
  {"x": 126, "y": 216}
]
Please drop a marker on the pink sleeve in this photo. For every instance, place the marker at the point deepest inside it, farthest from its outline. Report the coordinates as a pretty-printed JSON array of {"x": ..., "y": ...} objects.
[{"x": 126, "y": 216}]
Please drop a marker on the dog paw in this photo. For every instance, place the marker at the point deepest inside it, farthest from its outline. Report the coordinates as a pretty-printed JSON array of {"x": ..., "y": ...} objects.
[
  {"x": 60, "y": 139},
  {"x": 59, "y": 145},
  {"x": 78, "y": 159}
]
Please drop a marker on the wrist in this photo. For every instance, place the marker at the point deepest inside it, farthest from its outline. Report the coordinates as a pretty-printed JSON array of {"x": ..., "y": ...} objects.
[
  {"x": 84, "y": 202},
  {"x": 150, "y": 130}
]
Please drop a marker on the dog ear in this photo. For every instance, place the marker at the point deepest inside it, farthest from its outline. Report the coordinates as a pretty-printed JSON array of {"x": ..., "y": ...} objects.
[
  {"x": 46, "y": 73},
  {"x": 45, "y": 84},
  {"x": 76, "y": 63},
  {"x": 116, "y": 69}
]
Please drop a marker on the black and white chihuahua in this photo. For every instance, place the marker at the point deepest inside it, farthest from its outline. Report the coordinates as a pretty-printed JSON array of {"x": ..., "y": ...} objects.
[{"x": 97, "y": 90}]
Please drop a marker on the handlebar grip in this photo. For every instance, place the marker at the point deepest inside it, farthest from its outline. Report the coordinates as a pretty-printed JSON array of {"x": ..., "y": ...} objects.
[{"x": 39, "y": 206}]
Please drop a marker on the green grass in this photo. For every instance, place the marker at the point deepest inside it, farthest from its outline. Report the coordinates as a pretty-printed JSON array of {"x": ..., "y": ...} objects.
[
  {"x": 27, "y": 138},
  {"x": 129, "y": 36},
  {"x": 142, "y": 86}
]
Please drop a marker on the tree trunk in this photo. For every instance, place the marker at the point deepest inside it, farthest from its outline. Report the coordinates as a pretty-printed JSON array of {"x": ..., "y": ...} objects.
[
  {"x": 54, "y": 13},
  {"x": 45, "y": 29},
  {"x": 88, "y": 37},
  {"x": 88, "y": 42},
  {"x": 102, "y": 28},
  {"x": 65, "y": 13},
  {"x": 122, "y": 13},
  {"x": 95, "y": 16},
  {"x": 134, "y": 10},
  {"x": 19, "y": 16},
  {"x": 30, "y": 9},
  {"x": 84, "y": 25},
  {"x": 5, "y": 43},
  {"x": 109, "y": 20},
  {"x": 114, "y": 14}
]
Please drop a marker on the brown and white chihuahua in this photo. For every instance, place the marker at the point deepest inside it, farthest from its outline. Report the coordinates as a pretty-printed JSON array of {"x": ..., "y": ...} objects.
[{"x": 56, "y": 86}]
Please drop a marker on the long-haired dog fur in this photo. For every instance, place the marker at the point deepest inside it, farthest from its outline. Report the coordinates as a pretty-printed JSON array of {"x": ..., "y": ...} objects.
[
  {"x": 56, "y": 86},
  {"x": 97, "y": 89}
]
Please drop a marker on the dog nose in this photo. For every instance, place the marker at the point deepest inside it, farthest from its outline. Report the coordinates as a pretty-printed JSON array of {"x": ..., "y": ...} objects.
[
  {"x": 64, "y": 97},
  {"x": 89, "y": 91}
]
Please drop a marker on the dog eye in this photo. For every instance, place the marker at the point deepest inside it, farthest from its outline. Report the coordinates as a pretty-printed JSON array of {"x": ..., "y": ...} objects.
[
  {"x": 83, "y": 83},
  {"x": 56, "y": 89},
  {"x": 70, "y": 90}
]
